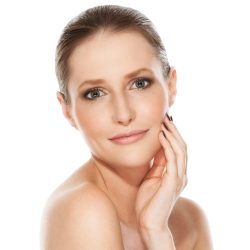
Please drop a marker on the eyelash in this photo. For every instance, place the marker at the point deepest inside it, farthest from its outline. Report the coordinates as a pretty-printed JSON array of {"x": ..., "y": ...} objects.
[{"x": 86, "y": 93}]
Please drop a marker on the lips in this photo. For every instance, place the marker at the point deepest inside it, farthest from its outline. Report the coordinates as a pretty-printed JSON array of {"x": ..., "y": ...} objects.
[
  {"x": 130, "y": 137},
  {"x": 135, "y": 132}
]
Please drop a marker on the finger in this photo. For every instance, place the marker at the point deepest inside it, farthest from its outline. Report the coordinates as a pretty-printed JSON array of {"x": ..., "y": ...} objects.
[
  {"x": 171, "y": 168},
  {"x": 179, "y": 152},
  {"x": 171, "y": 127}
]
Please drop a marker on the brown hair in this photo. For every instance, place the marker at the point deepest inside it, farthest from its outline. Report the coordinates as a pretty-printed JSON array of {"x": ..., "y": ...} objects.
[{"x": 106, "y": 17}]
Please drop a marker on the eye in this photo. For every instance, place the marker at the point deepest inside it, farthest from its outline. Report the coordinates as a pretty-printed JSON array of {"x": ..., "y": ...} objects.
[
  {"x": 141, "y": 83},
  {"x": 93, "y": 94}
]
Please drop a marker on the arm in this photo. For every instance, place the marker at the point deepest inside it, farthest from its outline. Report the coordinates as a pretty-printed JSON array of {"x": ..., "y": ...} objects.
[
  {"x": 85, "y": 221},
  {"x": 194, "y": 219},
  {"x": 158, "y": 240},
  {"x": 161, "y": 188}
]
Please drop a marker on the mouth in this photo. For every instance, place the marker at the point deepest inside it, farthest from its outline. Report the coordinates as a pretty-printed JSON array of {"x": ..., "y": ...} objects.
[{"x": 130, "y": 137}]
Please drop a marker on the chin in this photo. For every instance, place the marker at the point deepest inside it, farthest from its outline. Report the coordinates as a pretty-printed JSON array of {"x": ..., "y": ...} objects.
[
  {"x": 136, "y": 157},
  {"x": 138, "y": 154}
]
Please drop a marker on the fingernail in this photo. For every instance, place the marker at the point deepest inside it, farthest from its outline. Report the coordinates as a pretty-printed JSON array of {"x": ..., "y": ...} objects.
[
  {"x": 164, "y": 134},
  {"x": 170, "y": 118},
  {"x": 165, "y": 126}
]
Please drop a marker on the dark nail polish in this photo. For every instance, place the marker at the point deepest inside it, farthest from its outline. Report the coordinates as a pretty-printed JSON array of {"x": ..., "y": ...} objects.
[
  {"x": 164, "y": 134},
  {"x": 170, "y": 118},
  {"x": 165, "y": 126}
]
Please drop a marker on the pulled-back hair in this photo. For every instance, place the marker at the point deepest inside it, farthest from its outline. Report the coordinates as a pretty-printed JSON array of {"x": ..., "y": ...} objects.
[{"x": 106, "y": 17}]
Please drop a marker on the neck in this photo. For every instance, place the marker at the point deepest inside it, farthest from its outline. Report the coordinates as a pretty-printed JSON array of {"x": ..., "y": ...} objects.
[{"x": 121, "y": 184}]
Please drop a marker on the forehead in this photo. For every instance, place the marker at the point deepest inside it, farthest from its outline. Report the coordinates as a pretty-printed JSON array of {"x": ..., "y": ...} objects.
[{"x": 114, "y": 54}]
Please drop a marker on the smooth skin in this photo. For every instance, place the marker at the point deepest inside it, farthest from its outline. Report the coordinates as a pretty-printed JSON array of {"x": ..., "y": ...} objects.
[{"x": 125, "y": 196}]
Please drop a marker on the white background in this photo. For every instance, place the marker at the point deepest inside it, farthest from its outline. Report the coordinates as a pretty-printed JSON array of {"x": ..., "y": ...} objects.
[{"x": 207, "y": 42}]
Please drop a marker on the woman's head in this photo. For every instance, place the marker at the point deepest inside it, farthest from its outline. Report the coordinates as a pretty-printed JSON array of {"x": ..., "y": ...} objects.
[
  {"x": 115, "y": 78},
  {"x": 110, "y": 18}
]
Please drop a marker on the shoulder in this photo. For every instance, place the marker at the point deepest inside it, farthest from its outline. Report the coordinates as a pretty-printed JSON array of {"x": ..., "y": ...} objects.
[
  {"x": 190, "y": 209},
  {"x": 80, "y": 218},
  {"x": 190, "y": 217}
]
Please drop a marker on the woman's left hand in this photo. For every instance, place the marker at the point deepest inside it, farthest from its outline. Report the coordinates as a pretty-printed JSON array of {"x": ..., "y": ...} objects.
[{"x": 164, "y": 182}]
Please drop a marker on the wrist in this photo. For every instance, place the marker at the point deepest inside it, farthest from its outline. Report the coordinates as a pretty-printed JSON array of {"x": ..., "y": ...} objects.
[{"x": 158, "y": 239}]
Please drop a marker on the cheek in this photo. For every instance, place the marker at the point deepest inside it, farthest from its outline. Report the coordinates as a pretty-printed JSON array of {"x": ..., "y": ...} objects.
[
  {"x": 153, "y": 105},
  {"x": 96, "y": 118},
  {"x": 89, "y": 120}
]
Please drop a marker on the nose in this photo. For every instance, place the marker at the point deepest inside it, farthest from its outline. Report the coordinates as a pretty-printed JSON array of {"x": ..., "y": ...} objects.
[{"x": 123, "y": 110}]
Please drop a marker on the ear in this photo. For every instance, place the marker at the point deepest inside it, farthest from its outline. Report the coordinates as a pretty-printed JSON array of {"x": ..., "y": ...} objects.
[
  {"x": 171, "y": 82},
  {"x": 65, "y": 109}
]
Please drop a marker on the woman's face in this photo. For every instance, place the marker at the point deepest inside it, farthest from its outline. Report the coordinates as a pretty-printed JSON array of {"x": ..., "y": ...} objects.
[{"x": 117, "y": 86}]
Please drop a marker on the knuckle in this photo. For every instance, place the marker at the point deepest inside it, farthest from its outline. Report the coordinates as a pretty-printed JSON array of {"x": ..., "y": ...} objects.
[
  {"x": 179, "y": 181},
  {"x": 182, "y": 151},
  {"x": 185, "y": 146}
]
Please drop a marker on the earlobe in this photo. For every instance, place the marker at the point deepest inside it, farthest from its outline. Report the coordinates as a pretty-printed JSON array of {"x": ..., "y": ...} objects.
[
  {"x": 65, "y": 109},
  {"x": 63, "y": 104}
]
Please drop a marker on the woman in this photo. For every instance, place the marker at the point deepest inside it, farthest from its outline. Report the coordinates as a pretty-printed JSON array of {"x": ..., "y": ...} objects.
[{"x": 116, "y": 85}]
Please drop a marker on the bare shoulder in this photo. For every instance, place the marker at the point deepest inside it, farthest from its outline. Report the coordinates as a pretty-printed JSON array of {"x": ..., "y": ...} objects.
[
  {"x": 190, "y": 225},
  {"x": 80, "y": 218}
]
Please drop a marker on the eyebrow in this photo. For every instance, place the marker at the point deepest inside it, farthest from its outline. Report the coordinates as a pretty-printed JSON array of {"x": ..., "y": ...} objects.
[{"x": 127, "y": 76}]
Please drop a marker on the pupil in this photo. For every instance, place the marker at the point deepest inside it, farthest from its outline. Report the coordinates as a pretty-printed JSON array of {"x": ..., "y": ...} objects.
[
  {"x": 140, "y": 83},
  {"x": 95, "y": 93}
]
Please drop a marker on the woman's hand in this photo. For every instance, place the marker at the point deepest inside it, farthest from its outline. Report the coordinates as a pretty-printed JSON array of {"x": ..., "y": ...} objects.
[{"x": 164, "y": 182}]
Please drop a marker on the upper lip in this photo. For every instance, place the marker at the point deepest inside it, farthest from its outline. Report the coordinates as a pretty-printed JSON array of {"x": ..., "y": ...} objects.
[{"x": 130, "y": 133}]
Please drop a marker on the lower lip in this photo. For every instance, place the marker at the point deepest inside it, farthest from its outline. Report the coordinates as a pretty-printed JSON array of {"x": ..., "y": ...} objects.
[{"x": 129, "y": 139}]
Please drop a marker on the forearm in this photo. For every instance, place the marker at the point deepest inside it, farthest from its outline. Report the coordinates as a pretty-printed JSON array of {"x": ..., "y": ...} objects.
[{"x": 160, "y": 240}]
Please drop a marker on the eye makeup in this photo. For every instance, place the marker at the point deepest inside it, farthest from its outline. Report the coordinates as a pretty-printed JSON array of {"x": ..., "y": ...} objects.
[{"x": 141, "y": 83}]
